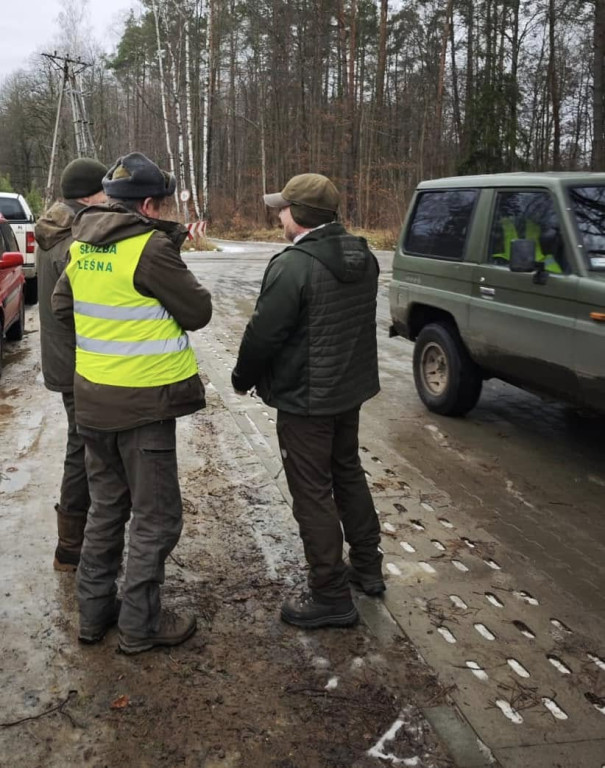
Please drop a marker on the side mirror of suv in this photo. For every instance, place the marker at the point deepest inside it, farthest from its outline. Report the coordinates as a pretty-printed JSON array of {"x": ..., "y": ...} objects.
[{"x": 523, "y": 256}]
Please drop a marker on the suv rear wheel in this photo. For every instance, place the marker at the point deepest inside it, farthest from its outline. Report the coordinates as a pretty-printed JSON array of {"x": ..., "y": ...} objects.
[{"x": 447, "y": 380}]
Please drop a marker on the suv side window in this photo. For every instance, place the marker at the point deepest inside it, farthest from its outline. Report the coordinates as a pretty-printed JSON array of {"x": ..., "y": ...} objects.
[
  {"x": 440, "y": 223},
  {"x": 529, "y": 215}
]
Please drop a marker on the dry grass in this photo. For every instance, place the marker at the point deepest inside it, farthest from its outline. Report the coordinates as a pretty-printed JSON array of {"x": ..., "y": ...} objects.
[
  {"x": 199, "y": 244},
  {"x": 238, "y": 228},
  {"x": 379, "y": 239},
  {"x": 240, "y": 231}
]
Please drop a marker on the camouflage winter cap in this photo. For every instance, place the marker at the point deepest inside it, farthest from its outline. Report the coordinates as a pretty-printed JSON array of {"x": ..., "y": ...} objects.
[{"x": 135, "y": 177}]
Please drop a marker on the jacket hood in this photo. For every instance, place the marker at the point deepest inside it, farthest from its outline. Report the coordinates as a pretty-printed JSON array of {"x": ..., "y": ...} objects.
[
  {"x": 109, "y": 223},
  {"x": 55, "y": 224},
  {"x": 345, "y": 255}
]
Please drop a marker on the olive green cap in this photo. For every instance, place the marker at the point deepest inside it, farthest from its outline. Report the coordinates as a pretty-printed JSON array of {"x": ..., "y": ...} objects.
[{"x": 309, "y": 189}]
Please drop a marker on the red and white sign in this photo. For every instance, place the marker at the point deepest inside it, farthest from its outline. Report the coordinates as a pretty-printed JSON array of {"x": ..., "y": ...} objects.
[{"x": 196, "y": 229}]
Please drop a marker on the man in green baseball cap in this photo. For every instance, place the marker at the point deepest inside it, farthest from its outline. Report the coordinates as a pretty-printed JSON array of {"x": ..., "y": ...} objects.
[{"x": 310, "y": 351}]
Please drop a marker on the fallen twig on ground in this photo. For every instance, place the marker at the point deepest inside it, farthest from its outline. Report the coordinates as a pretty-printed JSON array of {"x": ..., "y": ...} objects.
[{"x": 57, "y": 708}]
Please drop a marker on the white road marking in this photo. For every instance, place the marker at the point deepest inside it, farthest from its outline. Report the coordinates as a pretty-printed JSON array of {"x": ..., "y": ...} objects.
[
  {"x": 458, "y": 602},
  {"x": 507, "y": 710},
  {"x": 518, "y": 668},
  {"x": 554, "y": 709},
  {"x": 480, "y": 673},
  {"x": 485, "y": 632},
  {"x": 446, "y": 635}
]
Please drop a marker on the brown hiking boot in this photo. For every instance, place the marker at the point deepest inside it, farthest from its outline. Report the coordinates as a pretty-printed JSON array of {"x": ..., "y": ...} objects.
[
  {"x": 71, "y": 535},
  {"x": 174, "y": 629}
]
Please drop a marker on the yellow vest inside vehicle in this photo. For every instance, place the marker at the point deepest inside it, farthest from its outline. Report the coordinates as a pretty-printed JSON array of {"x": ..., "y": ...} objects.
[{"x": 123, "y": 338}]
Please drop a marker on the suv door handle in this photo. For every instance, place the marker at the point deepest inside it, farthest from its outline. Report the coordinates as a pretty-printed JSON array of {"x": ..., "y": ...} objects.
[{"x": 487, "y": 291}]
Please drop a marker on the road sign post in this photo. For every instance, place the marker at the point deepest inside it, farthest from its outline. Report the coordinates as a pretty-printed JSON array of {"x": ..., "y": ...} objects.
[{"x": 185, "y": 195}]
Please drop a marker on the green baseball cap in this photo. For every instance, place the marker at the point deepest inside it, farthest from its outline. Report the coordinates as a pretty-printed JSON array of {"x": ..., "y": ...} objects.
[{"x": 310, "y": 189}]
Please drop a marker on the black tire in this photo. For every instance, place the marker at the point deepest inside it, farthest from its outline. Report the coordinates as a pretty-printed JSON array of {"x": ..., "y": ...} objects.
[
  {"x": 31, "y": 290},
  {"x": 17, "y": 329},
  {"x": 447, "y": 380}
]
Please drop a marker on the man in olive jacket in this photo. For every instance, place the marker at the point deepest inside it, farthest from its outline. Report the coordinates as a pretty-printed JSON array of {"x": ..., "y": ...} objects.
[
  {"x": 81, "y": 186},
  {"x": 133, "y": 301},
  {"x": 310, "y": 351}
]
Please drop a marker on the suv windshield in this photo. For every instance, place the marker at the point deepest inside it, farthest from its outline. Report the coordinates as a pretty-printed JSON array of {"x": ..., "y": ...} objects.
[{"x": 588, "y": 206}]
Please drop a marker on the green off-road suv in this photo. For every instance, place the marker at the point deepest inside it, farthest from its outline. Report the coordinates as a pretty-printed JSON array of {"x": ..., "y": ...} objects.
[{"x": 504, "y": 276}]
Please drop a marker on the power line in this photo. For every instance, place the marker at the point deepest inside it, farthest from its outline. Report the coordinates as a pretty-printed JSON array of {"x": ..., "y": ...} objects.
[{"x": 71, "y": 70}]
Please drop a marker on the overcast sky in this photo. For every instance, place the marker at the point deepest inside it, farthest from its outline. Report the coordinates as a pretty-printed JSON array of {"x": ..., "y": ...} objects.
[{"x": 30, "y": 26}]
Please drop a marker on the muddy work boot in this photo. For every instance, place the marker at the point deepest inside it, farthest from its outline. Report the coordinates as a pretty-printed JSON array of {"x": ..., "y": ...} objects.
[
  {"x": 372, "y": 584},
  {"x": 308, "y": 613},
  {"x": 71, "y": 536},
  {"x": 94, "y": 633},
  {"x": 174, "y": 630}
]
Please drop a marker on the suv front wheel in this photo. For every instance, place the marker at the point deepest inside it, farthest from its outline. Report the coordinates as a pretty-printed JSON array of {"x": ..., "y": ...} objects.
[{"x": 447, "y": 380}]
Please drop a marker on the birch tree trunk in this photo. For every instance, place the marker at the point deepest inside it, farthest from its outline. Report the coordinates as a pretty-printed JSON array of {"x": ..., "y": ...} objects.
[
  {"x": 598, "y": 151},
  {"x": 441, "y": 80},
  {"x": 554, "y": 86},
  {"x": 192, "y": 180},
  {"x": 172, "y": 67},
  {"x": 154, "y": 6},
  {"x": 206, "y": 64}
]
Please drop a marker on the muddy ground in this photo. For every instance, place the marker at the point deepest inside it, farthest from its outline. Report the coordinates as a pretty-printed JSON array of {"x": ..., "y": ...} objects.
[{"x": 246, "y": 690}]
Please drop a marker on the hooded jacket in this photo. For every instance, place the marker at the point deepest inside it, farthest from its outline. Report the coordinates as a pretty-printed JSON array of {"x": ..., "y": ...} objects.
[
  {"x": 57, "y": 341},
  {"x": 310, "y": 346},
  {"x": 161, "y": 274}
]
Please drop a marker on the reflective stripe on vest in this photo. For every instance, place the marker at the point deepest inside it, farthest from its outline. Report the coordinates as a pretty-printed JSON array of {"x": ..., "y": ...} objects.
[{"x": 122, "y": 337}]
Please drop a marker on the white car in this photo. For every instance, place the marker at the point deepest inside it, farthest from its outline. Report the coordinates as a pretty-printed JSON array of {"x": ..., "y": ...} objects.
[{"x": 16, "y": 211}]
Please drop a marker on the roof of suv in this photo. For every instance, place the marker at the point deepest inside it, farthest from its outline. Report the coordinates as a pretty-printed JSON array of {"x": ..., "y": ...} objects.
[{"x": 519, "y": 179}]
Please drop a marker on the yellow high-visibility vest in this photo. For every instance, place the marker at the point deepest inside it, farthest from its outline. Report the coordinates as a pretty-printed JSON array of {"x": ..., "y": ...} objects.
[{"x": 123, "y": 338}]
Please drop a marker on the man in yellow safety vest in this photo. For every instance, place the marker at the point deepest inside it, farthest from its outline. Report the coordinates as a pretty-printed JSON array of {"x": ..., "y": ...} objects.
[
  {"x": 131, "y": 299},
  {"x": 532, "y": 232}
]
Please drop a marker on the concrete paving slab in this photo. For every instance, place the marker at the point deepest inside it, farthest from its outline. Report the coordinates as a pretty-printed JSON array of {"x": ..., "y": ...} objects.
[
  {"x": 463, "y": 743},
  {"x": 582, "y": 754}
]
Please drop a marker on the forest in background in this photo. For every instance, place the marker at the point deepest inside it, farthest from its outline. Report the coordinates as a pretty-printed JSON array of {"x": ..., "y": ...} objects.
[{"x": 236, "y": 96}]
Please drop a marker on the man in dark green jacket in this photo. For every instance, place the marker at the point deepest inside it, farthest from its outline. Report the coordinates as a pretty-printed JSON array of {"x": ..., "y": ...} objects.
[
  {"x": 81, "y": 186},
  {"x": 310, "y": 351}
]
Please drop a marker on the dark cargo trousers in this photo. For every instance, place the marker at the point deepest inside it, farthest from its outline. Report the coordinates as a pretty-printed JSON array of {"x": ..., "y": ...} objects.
[
  {"x": 330, "y": 494},
  {"x": 133, "y": 471},
  {"x": 75, "y": 498}
]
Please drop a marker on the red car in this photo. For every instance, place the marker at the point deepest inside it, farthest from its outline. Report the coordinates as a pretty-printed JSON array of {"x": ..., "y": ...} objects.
[{"x": 12, "y": 281}]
